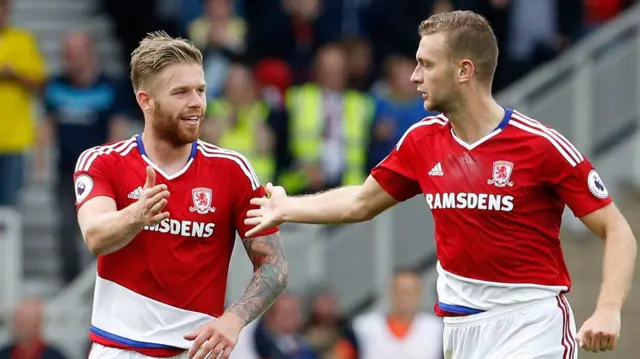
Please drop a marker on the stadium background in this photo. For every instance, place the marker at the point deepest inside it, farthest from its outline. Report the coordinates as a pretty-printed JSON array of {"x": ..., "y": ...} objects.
[{"x": 574, "y": 64}]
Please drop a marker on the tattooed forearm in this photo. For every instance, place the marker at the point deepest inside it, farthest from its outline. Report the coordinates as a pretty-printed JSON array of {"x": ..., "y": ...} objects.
[{"x": 269, "y": 279}]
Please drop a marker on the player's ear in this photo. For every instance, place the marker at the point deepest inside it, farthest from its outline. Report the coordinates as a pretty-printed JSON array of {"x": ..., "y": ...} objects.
[
  {"x": 145, "y": 100},
  {"x": 466, "y": 69}
]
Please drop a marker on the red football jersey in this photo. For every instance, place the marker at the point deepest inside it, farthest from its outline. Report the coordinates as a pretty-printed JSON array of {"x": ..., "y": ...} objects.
[
  {"x": 497, "y": 206},
  {"x": 172, "y": 277}
]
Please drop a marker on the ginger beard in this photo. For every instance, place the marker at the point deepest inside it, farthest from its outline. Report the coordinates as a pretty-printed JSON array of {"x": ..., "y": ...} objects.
[{"x": 173, "y": 128}]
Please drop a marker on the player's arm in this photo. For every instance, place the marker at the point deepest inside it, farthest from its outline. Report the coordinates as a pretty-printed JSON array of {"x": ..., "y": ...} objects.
[
  {"x": 348, "y": 204},
  {"x": 619, "y": 255},
  {"x": 579, "y": 186},
  {"x": 106, "y": 229},
  {"x": 391, "y": 182},
  {"x": 269, "y": 280}
]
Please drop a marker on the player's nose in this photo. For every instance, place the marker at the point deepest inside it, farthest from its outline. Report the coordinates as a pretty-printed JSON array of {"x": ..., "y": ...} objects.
[
  {"x": 416, "y": 76},
  {"x": 195, "y": 100}
]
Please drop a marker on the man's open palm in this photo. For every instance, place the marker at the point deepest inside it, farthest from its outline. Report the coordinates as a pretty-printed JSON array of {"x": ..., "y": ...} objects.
[{"x": 270, "y": 213}]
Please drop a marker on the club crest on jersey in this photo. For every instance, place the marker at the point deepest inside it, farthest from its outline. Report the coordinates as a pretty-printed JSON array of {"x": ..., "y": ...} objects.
[
  {"x": 202, "y": 200},
  {"x": 501, "y": 174}
]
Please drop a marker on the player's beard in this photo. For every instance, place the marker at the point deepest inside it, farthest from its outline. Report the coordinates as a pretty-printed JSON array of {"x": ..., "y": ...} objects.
[{"x": 168, "y": 127}]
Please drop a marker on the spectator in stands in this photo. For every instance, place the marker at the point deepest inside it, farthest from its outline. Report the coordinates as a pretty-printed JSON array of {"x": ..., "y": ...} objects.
[
  {"x": 221, "y": 36},
  {"x": 218, "y": 27},
  {"x": 28, "y": 342},
  {"x": 393, "y": 24},
  {"x": 240, "y": 120},
  {"x": 327, "y": 127},
  {"x": 359, "y": 63},
  {"x": 325, "y": 326},
  {"x": 82, "y": 111},
  {"x": 22, "y": 73},
  {"x": 398, "y": 107},
  {"x": 403, "y": 332},
  {"x": 540, "y": 30},
  {"x": 274, "y": 77},
  {"x": 293, "y": 32},
  {"x": 277, "y": 334}
]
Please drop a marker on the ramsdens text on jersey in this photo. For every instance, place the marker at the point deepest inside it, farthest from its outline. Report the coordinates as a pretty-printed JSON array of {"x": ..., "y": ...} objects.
[
  {"x": 183, "y": 228},
  {"x": 482, "y": 201}
]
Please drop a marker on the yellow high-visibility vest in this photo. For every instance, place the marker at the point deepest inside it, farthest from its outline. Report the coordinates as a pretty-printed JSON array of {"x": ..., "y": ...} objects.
[
  {"x": 306, "y": 126},
  {"x": 240, "y": 136}
]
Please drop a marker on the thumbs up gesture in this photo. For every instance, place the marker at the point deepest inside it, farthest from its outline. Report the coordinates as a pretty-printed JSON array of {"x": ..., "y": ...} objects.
[{"x": 148, "y": 210}]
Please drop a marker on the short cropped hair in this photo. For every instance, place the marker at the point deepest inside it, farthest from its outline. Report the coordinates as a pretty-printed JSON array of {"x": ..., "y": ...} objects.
[
  {"x": 157, "y": 51},
  {"x": 469, "y": 35}
]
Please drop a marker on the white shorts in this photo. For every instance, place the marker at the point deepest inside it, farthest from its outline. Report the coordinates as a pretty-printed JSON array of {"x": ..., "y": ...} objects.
[
  {"x": 544, "y": 329},
  {"x": 99, "y": 351}
]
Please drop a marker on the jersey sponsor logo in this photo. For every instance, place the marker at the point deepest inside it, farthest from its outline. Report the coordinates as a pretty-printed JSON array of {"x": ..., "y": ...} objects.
[
  {"x": 596, "y": 186},
  {"x": 183, "y": 228},
  {"x": 83, "y": 185},
  {"x": 482, "y": 201},
  {"x": 202, "y": 200},
  {"x": 502, "y": 171}
]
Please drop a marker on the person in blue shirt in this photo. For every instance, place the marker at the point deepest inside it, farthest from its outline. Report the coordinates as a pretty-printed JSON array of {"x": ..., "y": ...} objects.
[
  {"x": 398, "y": 106},
  {"x": 82, "y": 110}
]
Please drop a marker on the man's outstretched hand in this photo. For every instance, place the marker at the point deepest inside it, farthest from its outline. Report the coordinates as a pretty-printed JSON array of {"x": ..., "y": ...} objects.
[{"x": 270, "y": 214}]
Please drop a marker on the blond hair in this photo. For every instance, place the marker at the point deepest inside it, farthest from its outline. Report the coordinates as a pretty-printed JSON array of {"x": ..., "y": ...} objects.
[
  {"x": 469, "y": 35},
  {"x": 157, "y": 51}
]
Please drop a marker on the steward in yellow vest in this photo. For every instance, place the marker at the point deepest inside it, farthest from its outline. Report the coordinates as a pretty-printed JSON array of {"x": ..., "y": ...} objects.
[
  {"x": 245, "y": 130},
  {"x": 307, "y": 125}
]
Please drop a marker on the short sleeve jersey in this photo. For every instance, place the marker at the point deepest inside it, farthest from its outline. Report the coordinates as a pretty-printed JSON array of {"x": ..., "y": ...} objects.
[{"x": 172, "y": 276}]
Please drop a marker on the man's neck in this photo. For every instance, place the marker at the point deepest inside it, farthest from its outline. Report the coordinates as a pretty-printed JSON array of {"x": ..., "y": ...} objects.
[
  {"x": 84, "y": 77},
  {"x": 476, "y": 118},
  {"x": 163, "y": 154},
  {"x": 401, "y": 317}
]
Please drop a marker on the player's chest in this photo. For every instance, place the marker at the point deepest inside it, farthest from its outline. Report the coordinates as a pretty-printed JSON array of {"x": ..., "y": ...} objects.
[
  {"x": 485, "y": 179},
  {"x": 197, "y": 205}
]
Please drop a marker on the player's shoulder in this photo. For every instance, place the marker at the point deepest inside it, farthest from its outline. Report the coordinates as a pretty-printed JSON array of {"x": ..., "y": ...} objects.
[
  {"x": 105, "y": 155},
  {"x": 228, "y": 161},
  {"x": 543, "y": 139},
  {"x": 430, "y": 125}
]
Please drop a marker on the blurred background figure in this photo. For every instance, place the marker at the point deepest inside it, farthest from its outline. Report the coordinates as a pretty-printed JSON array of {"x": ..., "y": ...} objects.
[
  {"x": 28, "y": 342},
  {"x": 240, "y": 121},
  {"x": 277, "y": 335},
  {"x": 325, "y": 326},
  {"x": 292, "y": 30},
  {"x": 360, "y": 70},
  {"x": 404, "y": 331},
  {"x": 22, "y": 74},
  {"x": 398, "y": 105},
  {"x": 220, "y": 33},
  {"x": 82, "y": 110},
  {"x": 326, "y": 122}
]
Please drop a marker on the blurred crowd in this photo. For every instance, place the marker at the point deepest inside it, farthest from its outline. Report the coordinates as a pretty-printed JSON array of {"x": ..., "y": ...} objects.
[
  {"x": 313, "y": 92},
  {"x": 297, "y": 326}
]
